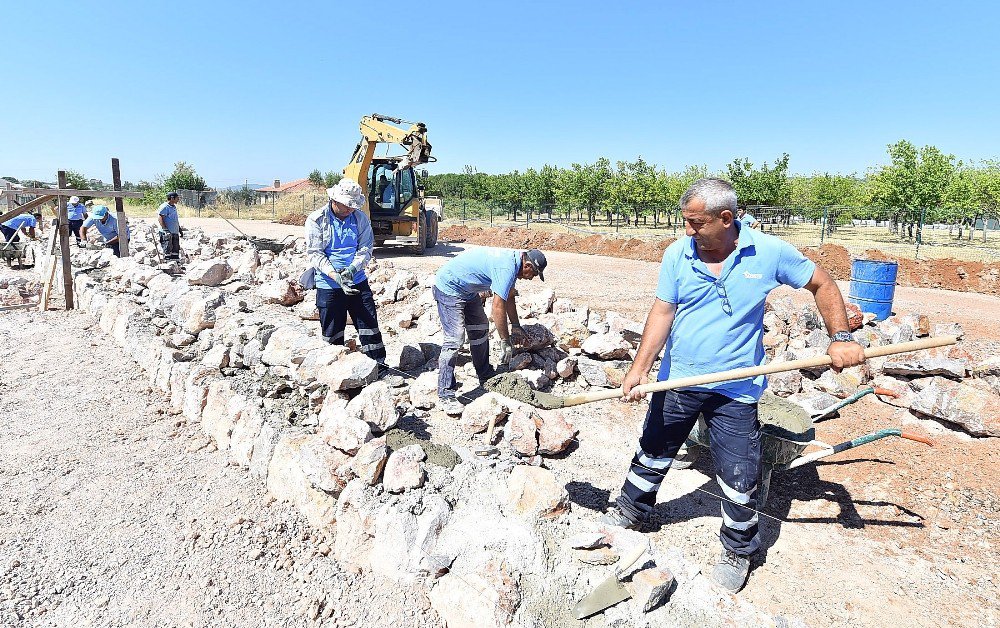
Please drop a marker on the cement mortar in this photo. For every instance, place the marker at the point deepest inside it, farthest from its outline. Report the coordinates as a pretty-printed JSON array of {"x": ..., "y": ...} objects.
[
  {"x": 513, "y": 387},
  {"x": 441, "y": 455}
]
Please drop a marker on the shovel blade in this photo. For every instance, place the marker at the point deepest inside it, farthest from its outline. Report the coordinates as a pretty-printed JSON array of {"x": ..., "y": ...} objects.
[{"x": 606, "y": 595}]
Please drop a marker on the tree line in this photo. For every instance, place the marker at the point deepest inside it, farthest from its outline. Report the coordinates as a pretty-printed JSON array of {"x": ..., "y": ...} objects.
[{"x": 924, "y": 182}]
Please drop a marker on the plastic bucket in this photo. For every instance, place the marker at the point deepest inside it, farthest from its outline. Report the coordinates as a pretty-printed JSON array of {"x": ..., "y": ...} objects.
[{"x": 873, "y": 285}]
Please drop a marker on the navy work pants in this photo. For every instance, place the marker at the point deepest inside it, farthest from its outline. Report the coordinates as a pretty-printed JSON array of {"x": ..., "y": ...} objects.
[
  {"x": 460, "y": 316},
  {"x": 334, "y": 305},
  {"x": 736, "y": 449},
  {"x": 74, "y": 227}
]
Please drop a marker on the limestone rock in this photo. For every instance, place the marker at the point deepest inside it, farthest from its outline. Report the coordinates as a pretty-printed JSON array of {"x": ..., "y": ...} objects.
[
  {"x": 566, "y": 367},
  {"x": 404, "y": 469},
  {"x": 535, "y": 493},
  {"x": 288, "y": 479},
  {"x": 556, "y": 432},
  {"x": 195, "y": 310},
  {"x": 855, "y": 318},
  {"x": 285, "y": 292},
  {"x": 370, "y": 461},
  {"x": 477, "y": 415},
  {"x": 586, "y": 540},
  {"x": 603, "y": 374},
  {"x": 629, "y": 329},
  {"x": 485, "y": 598},
  {"x": 423, "y": 391},
  {"x": 351, "y": 371},
  {"x": 522, "y": 431},
  {"x": 948, "y": 329},
  {"x": 376, "y": 406},
  {"x": 949, "y": 361},
  {"x": 533, "y": 305},
  {"x": 278, "y": 350},
  {"x": 346, "y": 433},
  {"x": 609, "y": 346},
  {"x": 223, "y": 408},
  {"x": 975, "y": 409},
  {"x": 597, "y": 556},
  {"x": 650, "y": 587},
  {"x": 785, "y": 383},
  {"x": 903, "y": 392},
  {"x": 244, "y": 435},
  {"x": 210, "y": 272}
]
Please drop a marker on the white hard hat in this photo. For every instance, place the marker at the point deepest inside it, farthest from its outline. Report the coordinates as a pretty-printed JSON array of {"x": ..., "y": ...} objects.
[
  {"x": 347, "y": 192},
  {"x": 74, "y": 199}
]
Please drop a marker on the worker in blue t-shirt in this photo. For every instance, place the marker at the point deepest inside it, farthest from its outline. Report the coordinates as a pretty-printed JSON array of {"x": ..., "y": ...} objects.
[
  {"x": 76, "y": 212},
  {"x": 22, "y": 223},
  {"x": 107, "y": 226},
  {"x": 708, "y": 313},
  {"x": 457, "y": 289},
  {"x": 170, "y": 228}
]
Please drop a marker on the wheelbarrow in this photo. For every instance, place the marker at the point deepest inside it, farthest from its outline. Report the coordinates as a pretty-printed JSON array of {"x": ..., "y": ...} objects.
[
  {"x": 19, "y": 250},
  {"x": 787, "y": 431}
]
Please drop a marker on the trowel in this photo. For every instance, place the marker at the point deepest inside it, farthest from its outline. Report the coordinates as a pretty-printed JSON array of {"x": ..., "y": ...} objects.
[{"x": 611, "y": 591}]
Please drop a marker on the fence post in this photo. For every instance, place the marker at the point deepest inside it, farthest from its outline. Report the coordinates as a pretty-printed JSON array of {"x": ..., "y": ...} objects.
[
  {"x": 822, "y": 226},
  {"x": 490, "y": 207},
  {"x": 920, "y": 230},
  {"x": 272, "y": 207}
]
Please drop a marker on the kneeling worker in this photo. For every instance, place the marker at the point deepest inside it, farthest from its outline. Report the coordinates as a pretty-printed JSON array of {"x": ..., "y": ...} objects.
[
  {"x": 107, "y": 226},
  {"x": 460, "y": 307}
]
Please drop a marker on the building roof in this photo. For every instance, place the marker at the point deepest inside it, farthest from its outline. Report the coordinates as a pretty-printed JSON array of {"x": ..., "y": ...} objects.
[{"x": 284, "y": 187}]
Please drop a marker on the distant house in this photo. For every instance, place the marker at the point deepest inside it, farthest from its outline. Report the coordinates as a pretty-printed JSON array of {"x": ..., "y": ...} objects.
[{"x": 279, "y": 189}]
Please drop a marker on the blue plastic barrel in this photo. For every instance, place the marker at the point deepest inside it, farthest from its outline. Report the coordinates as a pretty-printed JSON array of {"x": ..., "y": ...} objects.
[{"x": 873, "y": 285}]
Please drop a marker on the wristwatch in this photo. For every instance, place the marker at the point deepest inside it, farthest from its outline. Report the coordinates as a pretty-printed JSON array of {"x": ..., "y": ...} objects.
[{"x": 843, "y": 336}]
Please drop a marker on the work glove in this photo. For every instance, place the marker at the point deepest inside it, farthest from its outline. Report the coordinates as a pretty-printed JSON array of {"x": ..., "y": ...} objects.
[{"x": 506, "y": 351}]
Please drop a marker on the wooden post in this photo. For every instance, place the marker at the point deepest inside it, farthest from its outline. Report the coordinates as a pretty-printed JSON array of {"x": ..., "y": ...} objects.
[
  {"x": 116, "y": 177},
  {"x": 50, "y": 267},
  {"x": 67, "y": 269}
]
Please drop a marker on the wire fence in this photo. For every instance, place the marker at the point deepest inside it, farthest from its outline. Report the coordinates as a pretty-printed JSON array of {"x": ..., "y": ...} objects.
[{"x": 901, "y": 233}]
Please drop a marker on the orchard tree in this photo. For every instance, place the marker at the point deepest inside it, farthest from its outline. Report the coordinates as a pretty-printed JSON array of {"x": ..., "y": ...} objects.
[
  {"x": 767, "y": 185},
  {"x": 184, "y": 177}
]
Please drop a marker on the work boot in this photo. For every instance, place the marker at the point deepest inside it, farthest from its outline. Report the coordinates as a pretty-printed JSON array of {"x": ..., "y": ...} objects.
[
  {"x": 451, "y": 406},
  {"x": 731, "y": 571},
  {"x": 616, "y": 517}
]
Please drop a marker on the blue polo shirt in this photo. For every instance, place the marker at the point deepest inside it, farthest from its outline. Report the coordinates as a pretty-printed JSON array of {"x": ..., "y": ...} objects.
[
  {"x": 749, "y": 219},
  {"x": 719, "y": 321},
  {"x": 21, "y": 220},
  {"x": 75, "y": 211},
  {"x": 107, "y": 229},
  {"x": 341, "y": 248},
  {"x": 478, "y": 270},
  {"x": 169, "y": 213}
]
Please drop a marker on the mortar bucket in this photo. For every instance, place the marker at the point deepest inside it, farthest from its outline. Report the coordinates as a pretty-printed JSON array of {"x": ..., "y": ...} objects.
[{"x": 873, "y": 285}]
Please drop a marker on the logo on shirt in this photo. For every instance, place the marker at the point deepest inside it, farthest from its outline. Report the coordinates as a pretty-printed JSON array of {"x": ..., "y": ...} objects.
[{"x": 747, "y": 275}]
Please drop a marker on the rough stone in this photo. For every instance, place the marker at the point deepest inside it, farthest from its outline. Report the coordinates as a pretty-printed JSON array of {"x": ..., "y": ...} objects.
[
  {"x": 537, "y": 337},
  {"x": 556, "y": 432},
  {"x": 244, "y": 435},
  {"x": 404, "y": 469},
  {"x": 948, "y": 329},
  {"x": 650, "y": 587},
  {"x": 949, "y": 361},
  {"x": 522, "y": 431},
  {"x": 603, "y": 374},
  {"x": 535, "y": 493},
  {"x": 285, "y": 292},
  {"x": 566, "y": 367},
  {"x": 195, "y": 310},
  {"x": 278, "y": 349},
  {"x": 370, "y": 461},
  {"x": 596, "y": 556},
  {"x": 609, "y": 346},
  {"x": 977, "y": 410},
  {"x": 287, "y": 479},
  {"x": 423, "y": 391},
  {"x": 855, "y": 317},
  {"x": 375, "y": 405},
  {"x": 210, "y": 272},
  {"x": 223, "y": 408},
  {"x": 485, "y": 598},
  {"x": 346, "y": 433},
  {"x": 477, "y": 415},
  {"x": 536, "y": 304},
  {"x": 351, "y": 371}
]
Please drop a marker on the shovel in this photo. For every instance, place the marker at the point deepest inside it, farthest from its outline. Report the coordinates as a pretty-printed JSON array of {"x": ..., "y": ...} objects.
[
  {"x": 502, "y": 384},
  {"x": 611, "y": 591}
]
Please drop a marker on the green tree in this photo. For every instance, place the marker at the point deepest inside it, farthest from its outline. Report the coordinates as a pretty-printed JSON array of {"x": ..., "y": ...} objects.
[
  {"x": 184, "y": 177},
  {"x": 331, "y": 179},
  {"x": 767, "y": 185},
  {"x": 316, "y": 177},
  {"x": 915, "y": 181},
  {"x": 11, "y": 179},
  {"x": 635, "y": 187}
]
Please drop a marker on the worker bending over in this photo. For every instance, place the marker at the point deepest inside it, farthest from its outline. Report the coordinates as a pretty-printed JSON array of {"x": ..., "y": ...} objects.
[
  {"x": 339, "y": 242},
  {"x": 460, "y": 308},
  {"x": 107, "y": 226},
  {"x": 22, "y": 223},
  {"x": 709, "y": 311}
]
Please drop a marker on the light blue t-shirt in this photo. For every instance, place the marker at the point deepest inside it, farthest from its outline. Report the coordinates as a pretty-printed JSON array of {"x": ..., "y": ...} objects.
[
  {"x": 21, "y": 220},
  {"x": 341, "y": 249},
  {"x": 478, "y": 270},
  {"x": 719, "y": 321},
  {"x": 169, "y": 213},
  {"x": 749, "y": 219},
  {"x": 75, "y": 211},
  {"x": 389, "y": 194},
  {"x": 107, "y": 229}
]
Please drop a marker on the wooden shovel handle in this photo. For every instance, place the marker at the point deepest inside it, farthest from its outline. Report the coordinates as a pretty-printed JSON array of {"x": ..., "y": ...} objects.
[{"x": 754, "y": 371}]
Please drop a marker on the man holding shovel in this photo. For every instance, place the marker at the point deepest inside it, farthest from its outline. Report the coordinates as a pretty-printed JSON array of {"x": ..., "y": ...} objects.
[
  {"x": 709, "y": 311},
  {"x": 460, "y": 308}
]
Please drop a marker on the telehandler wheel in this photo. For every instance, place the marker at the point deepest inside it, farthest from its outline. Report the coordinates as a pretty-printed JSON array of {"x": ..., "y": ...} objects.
[
  {"x": 432, "y": 229},
  {"x": 421, "y": 233}
]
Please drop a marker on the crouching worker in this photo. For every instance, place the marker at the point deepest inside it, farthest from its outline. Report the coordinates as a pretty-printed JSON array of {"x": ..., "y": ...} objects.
[
  {"x": 339, "y": 244},
  {"x": 22, "y": 223},
  {"x": 107, "y": 226},
  {"x": 457, "y": 291}
]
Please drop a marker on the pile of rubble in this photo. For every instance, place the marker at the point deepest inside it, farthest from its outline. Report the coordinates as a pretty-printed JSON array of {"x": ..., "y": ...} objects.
[
  {"x": 232, "y": 342},
  {"x": 18, "y": 288}
]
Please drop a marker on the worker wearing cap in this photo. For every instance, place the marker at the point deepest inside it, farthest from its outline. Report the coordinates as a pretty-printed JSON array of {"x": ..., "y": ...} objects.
[
  {"x": 339, "y": 243},
  {"x": 456, "y": 290},
  {"x": 708, "y": 313},
  {"x": 22, "y": 223},
  {"x": 170, "y": 228},
  {"x": 107, "y": 226},
  {"x": 76, "y": 213}
]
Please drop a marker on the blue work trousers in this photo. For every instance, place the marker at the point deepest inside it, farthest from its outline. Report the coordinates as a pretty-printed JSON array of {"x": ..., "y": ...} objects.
[
  {"x": 736, "y": 449},
  {"x": 458, "y": 317},
  {"x": 334, "y": 305}
]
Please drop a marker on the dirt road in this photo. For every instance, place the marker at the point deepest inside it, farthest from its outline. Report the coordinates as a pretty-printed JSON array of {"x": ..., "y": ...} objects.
[{"x": 112, "y": 515}]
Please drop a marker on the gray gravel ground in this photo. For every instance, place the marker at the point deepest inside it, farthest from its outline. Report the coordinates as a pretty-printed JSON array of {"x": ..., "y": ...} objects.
[{"x": 113, "y": 512}]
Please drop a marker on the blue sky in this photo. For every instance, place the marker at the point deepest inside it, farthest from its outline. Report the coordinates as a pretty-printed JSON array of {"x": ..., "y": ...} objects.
[{"x": 264, "y": 90}]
